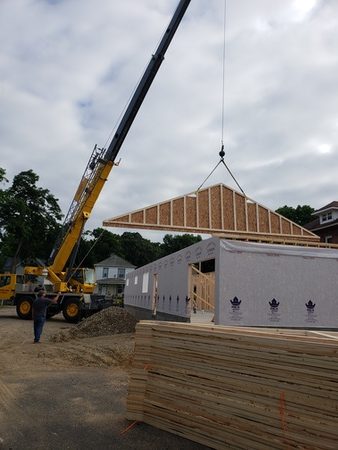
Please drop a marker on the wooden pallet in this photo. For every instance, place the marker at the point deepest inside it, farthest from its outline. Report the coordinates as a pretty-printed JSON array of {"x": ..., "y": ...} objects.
[{"x": 236, "y": 388}]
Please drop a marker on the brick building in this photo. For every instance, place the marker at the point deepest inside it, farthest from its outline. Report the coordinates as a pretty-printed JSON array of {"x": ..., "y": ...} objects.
[{"x": 325, "y": 223}]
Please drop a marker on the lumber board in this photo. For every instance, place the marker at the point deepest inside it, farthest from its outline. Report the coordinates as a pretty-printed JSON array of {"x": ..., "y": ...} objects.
[{"x": 236, "y": 388}]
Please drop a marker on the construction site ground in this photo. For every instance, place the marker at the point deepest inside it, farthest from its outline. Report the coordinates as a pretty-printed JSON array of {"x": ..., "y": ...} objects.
[{"x": 69, "y": 393}]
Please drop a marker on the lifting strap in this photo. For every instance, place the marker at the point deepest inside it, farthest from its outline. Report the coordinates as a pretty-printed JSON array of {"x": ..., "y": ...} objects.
[
  {"x": 221, "y": 161},
  {"x": 222, "y": 153}
]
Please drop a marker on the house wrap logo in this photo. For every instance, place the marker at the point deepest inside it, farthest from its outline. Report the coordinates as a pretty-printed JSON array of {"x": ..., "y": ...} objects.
[
  {"x": 235, "y": 310},
  {"x": 274, "y": 305},
  {"x": 198, "y": 251},
  {"x": 235, "y": 303},
  {"x": 211, "y": 248},
  {"x": 273, "y": 313},
  {"x": 310, "y": 306},
  {"x": 311, "y": 316}
]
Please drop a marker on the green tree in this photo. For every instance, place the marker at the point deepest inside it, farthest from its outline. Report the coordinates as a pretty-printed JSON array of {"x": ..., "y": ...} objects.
[
  {"x": 29, "y": 218},
  {"x": 173, "y": 244},
  {"x": 300, "y": 215},
  {"x": 137, "y": 250},
  {"x": 2, "y": 175},
  {"x": 98, "y": 245}
]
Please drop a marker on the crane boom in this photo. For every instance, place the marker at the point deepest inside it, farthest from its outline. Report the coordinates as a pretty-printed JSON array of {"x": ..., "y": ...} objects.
[{"x": 102, "y": 160}]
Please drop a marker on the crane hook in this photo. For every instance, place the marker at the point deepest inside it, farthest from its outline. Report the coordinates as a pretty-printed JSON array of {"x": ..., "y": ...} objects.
[{"x": 222, "y": 152}]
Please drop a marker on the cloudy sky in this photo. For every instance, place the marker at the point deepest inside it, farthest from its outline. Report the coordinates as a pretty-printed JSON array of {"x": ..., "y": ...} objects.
[{"x": 68, "y": 67}]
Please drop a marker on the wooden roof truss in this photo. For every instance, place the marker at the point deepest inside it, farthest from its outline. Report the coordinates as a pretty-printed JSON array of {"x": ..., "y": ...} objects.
[{"x": 216, "y": 210}]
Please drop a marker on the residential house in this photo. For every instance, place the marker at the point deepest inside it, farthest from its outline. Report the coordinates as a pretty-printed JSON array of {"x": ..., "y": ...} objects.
[
  {"x": 111, "y": 274},
  {"x": 325, "y": 223}
]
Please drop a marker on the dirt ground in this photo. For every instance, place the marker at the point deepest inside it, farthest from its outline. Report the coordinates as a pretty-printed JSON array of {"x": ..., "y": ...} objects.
[{"x": 69, "y": 395}]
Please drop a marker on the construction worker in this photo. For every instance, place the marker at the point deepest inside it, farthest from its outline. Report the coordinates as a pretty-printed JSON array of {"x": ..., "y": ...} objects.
[{"x": 39, "y": 312}]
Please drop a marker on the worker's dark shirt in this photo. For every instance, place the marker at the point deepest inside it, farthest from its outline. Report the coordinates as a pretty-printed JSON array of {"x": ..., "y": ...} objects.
[{"x": 40, "y": 306}]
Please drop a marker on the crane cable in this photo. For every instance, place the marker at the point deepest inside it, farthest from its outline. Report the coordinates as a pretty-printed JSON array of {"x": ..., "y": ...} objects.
[
  {"x": 73, "y": 271},
  {"x": 222, "y": 153}
]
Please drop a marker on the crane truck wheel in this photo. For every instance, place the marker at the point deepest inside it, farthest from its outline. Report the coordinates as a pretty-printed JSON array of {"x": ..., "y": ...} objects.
[
  {"x": 24, "y": 308},
  {"x": 71, "y": 310}
]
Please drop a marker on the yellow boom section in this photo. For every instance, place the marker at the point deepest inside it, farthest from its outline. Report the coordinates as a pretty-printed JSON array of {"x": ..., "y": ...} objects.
[{"x": 89, "y": 190}]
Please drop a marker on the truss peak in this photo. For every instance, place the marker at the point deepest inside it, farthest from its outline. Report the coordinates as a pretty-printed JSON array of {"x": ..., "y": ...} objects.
[{"x": 216, "y": 210}]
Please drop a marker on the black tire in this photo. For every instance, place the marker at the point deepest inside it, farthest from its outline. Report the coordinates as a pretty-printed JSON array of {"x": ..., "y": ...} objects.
[
  {"x": 71, "y": 310},
  {"x": 24, "y": 308}
]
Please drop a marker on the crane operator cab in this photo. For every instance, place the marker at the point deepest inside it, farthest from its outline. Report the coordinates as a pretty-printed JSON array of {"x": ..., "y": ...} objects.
[{"x": 82, "y": 280}]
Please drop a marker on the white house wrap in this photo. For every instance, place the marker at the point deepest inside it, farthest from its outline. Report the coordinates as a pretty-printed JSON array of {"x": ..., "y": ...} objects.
[{"x": 255, "y": 285}]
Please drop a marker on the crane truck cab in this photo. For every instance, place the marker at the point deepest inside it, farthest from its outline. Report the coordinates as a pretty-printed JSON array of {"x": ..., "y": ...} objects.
[
  {"x": 7, "y": 286},
  {"x": 77, "y": 299}
]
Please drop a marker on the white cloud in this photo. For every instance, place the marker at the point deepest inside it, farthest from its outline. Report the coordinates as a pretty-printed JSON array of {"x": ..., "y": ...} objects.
[{"x": 302, "y": 8}]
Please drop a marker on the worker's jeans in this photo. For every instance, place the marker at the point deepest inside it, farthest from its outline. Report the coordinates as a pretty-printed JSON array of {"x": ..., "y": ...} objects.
[{"x": 38, "y": 326}]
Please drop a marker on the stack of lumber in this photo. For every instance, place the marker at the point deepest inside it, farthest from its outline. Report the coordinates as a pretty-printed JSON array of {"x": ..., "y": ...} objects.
[{"x": 236, "y": 388}]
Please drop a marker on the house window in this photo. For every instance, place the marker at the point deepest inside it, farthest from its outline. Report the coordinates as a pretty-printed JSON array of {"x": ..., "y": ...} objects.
[
  {"x": 105, "y": 271},
  {"x": 328, "y": 239},
  {"x": 136, "y": 279},
  {"x": 127, "y": 282},
  {"x": 121, "y": 272},
  {"x": 327, "y": 216}
]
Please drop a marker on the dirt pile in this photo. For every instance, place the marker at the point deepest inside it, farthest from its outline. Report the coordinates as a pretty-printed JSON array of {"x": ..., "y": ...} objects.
[{"x": 112, "y": 320}]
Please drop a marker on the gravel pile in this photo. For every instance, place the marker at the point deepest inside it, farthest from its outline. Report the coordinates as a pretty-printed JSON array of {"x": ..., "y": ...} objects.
[{"x": 111, "y": 320}]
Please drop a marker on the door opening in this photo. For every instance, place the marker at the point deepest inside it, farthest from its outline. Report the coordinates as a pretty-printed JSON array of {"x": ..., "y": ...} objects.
[{"x": 202, "y": 290}]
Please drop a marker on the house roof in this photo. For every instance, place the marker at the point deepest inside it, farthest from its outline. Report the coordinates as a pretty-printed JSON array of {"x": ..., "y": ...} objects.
[
  {"x": 316, "y": 225},
  {"x": 329, "y": 206},
  {"x": 313, "y": 224},
  {"x": 114, "y": 261}
]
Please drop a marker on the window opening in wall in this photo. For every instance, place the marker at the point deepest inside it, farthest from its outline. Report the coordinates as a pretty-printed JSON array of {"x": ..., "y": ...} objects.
[
  {"x": 136, "y": 279},
  {"x": 127, "y": 282},
  {"x": 328, "y": 239},
  {"x": 155, "y": 295},
  {"x": 105, "y": 271},
  {"x": 205, "y": 266},
  {"x": 145, "y": 283}
]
